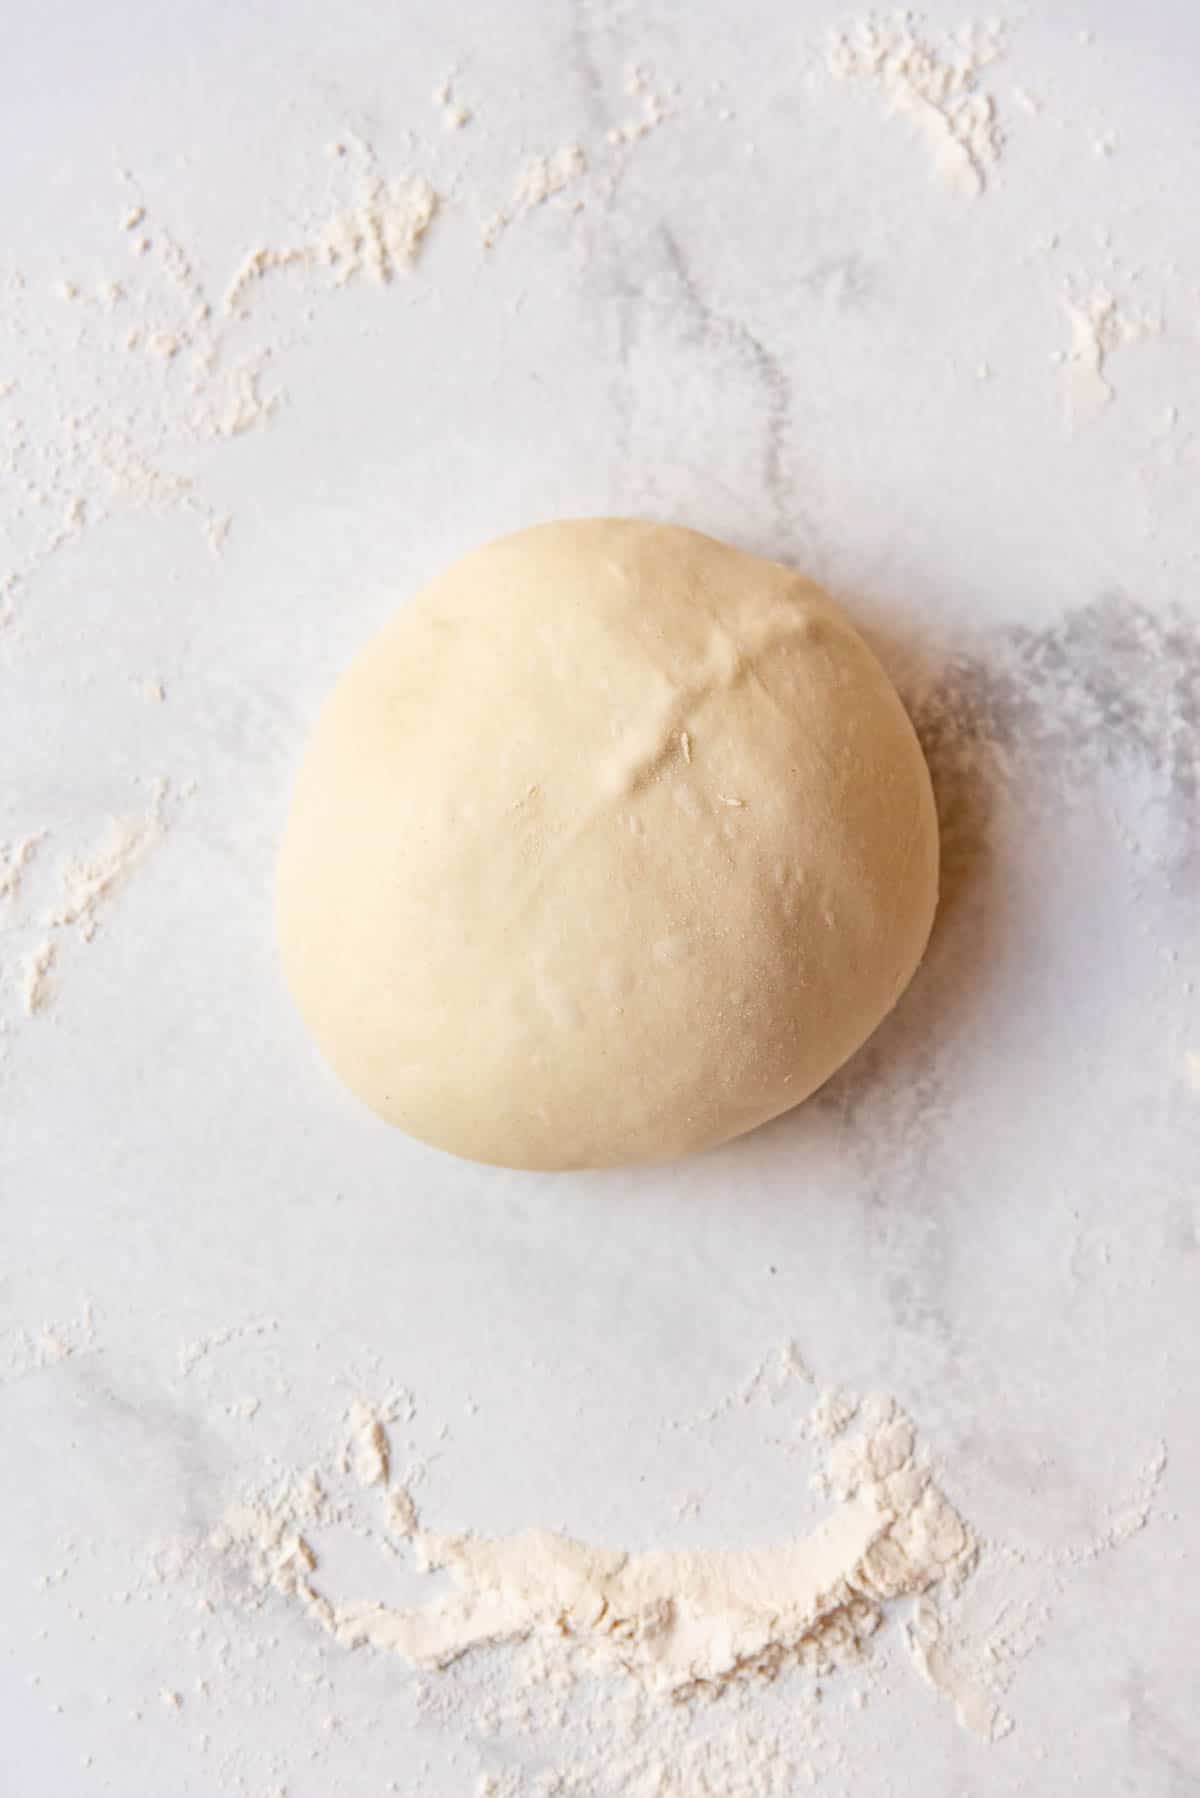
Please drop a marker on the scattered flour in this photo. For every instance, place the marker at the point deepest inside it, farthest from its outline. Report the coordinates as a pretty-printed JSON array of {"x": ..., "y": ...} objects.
[
  {"x": 545, "y": 176},
  {"x": 85, "y": 883},
  {"x": 90, "y": 879},
  {"x": 601, "y": 1646},
  {"x": 938, "y": 86},
  {"x": 1099, "y": 327},
  {"x": 192, "y": 1353},
  {"x": 454, "y": 114},
  {"x": 237, "y": 406},
  {"x": 970, "y": 1691},
  {"x": 136, "y": 373},
  {"x": 1125, "y": 1520},
  {"x": 603, "y": 1659},
  {"x": 548, "y": 1664},
  {"x": 654, "y": 108},
  {"x": 684, "y": 1621},
  {"x": 379, "y": 233},
  {"x": 771, "y": 1381},
  {"x": 34, "y": 976},
  {"x": 156, "y": 367},
  {"x": 542, "y": 177},
  {"x": 366, "y": 1448},
  {"x": 14, "y": 859},
  {"x": 247, "y": 1406},
  {"x": 402, "y": 1512},
  {"x": 24, "y": 1351}
]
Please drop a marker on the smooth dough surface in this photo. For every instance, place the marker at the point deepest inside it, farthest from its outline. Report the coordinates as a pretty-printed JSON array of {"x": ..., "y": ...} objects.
[{"x": 615, "y": 843}]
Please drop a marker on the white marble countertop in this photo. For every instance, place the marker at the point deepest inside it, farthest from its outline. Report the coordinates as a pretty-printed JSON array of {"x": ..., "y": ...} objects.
[{"x": 754, "y": 306}]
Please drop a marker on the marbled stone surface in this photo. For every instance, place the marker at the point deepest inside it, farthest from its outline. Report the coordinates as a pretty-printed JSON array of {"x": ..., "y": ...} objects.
[{"x": 766, "y": 317}]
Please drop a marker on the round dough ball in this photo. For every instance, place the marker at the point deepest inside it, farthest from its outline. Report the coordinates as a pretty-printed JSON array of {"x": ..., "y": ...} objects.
[{"x": 614, "y": 844}]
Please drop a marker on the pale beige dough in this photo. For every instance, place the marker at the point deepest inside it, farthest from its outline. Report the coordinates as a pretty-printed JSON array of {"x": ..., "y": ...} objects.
[{"x": 612, "y": 845}]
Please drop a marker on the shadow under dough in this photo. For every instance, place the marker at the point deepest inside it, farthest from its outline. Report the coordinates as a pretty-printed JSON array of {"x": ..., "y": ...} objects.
[{"x": 1029, "y": 719}]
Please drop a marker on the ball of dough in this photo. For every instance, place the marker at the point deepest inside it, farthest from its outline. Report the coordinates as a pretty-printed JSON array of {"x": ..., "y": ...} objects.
[{"x": 613, "y": 844}]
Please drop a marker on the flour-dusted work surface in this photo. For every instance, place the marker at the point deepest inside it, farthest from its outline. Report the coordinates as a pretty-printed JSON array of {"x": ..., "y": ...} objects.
[{"x": 858, "y": 1454}]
